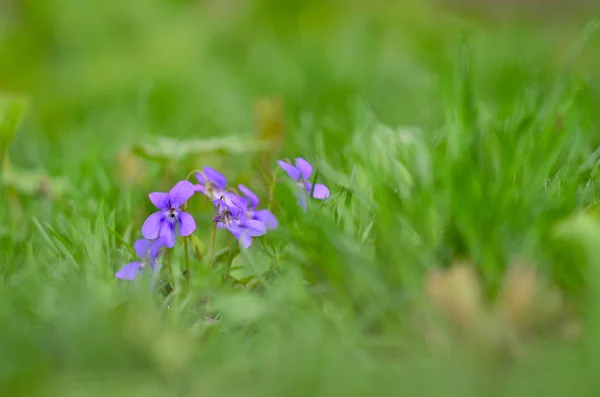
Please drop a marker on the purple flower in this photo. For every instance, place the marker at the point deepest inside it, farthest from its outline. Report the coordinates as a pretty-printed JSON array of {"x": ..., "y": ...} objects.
[
  {"x": 211, "y": 183},
  {"x": 147, "y": 251},
  {"x": 301, "y": 173},
  {"x": 233, "y": 216},
  {"x": 170, "y": 220},
  {"x": 264, "y": 216}
]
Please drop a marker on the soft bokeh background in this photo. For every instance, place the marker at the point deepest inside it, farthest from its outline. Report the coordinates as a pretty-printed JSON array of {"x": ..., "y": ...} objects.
[{"x": 454, "y": 135}]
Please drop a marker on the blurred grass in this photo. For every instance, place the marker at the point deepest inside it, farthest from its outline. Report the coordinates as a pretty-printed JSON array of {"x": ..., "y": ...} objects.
[{"x": 444, "y": 139}]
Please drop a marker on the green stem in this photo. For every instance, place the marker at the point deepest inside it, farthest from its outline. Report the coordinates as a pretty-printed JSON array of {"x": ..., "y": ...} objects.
[
  {"x": 233, "y": 190},
  {"x": 272, "y": 189},
  {"x": 195, "y": 172},
  {"x": 185, "y": 250},
  {"x": 213, "y": 239},
  {"x": 4, "y": 160},
  {"x": 186, "y": 259},
  {"x": 170, "y": 266},
  {"x": 230, "y": 245}
]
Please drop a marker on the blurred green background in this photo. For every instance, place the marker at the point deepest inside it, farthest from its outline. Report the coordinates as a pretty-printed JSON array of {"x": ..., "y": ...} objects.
[{"x": 453, "y": 135}]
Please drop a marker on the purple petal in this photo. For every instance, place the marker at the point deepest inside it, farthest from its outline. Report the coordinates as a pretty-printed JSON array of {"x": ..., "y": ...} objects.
[
  {"x": 187, "y": 225},
  {"x": 235, "y": 229},
  {"x": 254, "y": 228},
  {"x": 223, "y": 206},
  {"x": 168, "y": 232},
  {"x": 141, "y": 247},
  {"x": 321, "y": 191},
  {"x": 243, "y": 203},
  {"x": 181, "y": 193},
  {"x": 225, "y": 199},
  {"x": 151, "y": 227},
  {"x": 198, "y": 188},
  {"x": 292, "y": 171},
  {"x": 245, "y": 240},
  {"x": 267, "y": 218},
  {"x": 235, "y": 212},
  {"x": 200, "y": 178},
  {"x": 215, "y": 177},
  {"x": 232, "y": 203},
  {"x": 218, "y": 218},
  {"x": 240, "y": 203},
  {"x": 231, "y": 199},
  {"x": 304, "y": 167},
  {"x": 160, "y": 200},
  {"x": 250, "y": 194},
  {"x": 129, "y": 271},
  {"x": 154, "y": 249},
  {"x": 214, "y": 193}
]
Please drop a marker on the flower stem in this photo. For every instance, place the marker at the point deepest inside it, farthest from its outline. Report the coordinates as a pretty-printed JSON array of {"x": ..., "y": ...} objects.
[
  {"x": 213, "y": 239},
  {"x": 228, "y": 269},
  {"x": 230, "y": 245},
  {"x": 186, "y": 259},
  {"x": 185, "y": 249},
  {"x": 195, "y": 172},
  {"x": 170, "y": 266},
  {"x": 272, "y": 189}
]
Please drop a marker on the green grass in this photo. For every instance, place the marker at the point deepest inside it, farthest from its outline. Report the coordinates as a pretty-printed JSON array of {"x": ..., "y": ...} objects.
[{"x": 442, "y": 138}]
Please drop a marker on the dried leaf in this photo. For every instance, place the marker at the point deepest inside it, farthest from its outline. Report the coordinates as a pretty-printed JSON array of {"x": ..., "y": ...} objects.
[
  {"x": 270, "y": 118},
  {"x": 130, "y": 169},
  {"x": 572, "y": 330},
  {"x": 456, "y": 293},
  {"x": 520, "y": 288},
  {"x": 269, "y": 114}
]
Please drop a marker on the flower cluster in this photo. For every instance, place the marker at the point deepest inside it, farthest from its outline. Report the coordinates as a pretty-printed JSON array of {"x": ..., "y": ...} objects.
[
  {"x": 300, "y": 173},
  {"x": 161, "y": 228},
  {"x": 147, "y": 251},
  {"x": 237, "y": 213}
]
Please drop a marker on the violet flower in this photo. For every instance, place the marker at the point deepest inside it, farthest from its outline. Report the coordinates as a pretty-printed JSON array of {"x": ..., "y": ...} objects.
[
  {"x": 147, "y": 251},
  {"x": 232, "y": 215},
  {"x": 264, "y": 216},
  {"x": 301, "y": 173},
  {"x": 211, "y": 183},
  {"x": 170, "y": 220}
]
